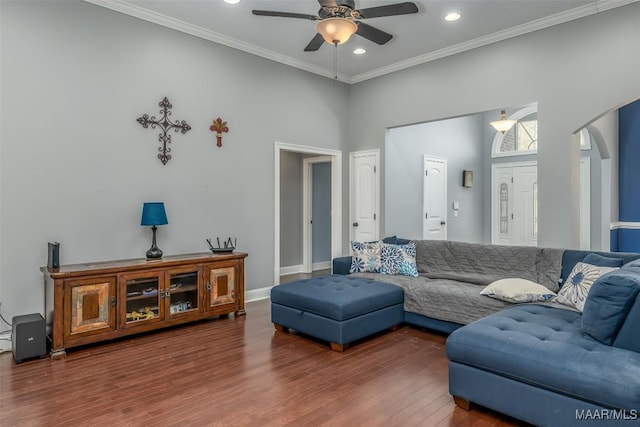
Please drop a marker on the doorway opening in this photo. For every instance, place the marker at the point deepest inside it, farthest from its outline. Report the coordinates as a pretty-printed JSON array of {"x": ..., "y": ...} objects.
[{"x": 334, "y": 157}]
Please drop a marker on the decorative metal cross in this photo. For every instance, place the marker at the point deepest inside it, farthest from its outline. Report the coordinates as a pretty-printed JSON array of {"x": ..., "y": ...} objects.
[
  {"x": 218, "y": 127},
  {"x": 165, "y": 125}
]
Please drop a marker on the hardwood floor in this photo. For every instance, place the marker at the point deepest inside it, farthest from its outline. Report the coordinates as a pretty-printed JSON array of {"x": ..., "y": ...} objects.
[{"x": 239, "y": 372}]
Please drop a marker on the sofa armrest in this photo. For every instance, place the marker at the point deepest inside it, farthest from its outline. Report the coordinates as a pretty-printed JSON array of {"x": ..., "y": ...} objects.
[{"x": 341, "y": 265}]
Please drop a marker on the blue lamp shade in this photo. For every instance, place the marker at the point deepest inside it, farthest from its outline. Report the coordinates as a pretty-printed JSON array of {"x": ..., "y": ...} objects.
[{"x": 154, "y": 214}]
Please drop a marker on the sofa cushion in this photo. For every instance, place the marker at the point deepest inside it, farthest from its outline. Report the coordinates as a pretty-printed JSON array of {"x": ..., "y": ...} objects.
[
  {"x": 575, "y": 289},
  {"x": 365, "y": 257},
  {"x": 603, "y": 261},
  {"x": 337, "y": 297},
  {"x": 608, "y": 304},
  {"x": 517, "y": 290},
  {"x": 399, "y": 259},
  {"x": 543, "y": 347},
  {"x": 627, "y": 336}
]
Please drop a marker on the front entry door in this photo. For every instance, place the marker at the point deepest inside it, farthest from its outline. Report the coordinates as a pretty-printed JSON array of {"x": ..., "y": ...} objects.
[
  {"x": 515, "y": 204},
  {"x": 364, "y": 196},
  {"x": 434, "y": 220}
]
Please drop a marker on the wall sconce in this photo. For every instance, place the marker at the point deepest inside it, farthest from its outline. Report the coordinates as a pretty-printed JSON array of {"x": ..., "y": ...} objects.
[{"x": 467, "y": 178}]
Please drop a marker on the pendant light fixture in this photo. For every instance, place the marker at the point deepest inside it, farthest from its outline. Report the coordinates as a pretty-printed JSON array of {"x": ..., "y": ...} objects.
[{"x": 503, "y": 124}]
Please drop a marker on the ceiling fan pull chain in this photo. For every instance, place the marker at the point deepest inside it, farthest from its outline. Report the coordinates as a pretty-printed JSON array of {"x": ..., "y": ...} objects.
[{"x": 335, "y": 60}]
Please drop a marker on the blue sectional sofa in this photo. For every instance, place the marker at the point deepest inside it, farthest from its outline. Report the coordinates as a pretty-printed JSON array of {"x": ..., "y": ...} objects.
[{"x": 541, "y": 362}]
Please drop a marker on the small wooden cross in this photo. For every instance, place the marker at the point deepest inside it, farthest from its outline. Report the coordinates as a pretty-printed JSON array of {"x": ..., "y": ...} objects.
[
  {"x": 165, "y": 125},
  {"x": 218, "y": 127}
]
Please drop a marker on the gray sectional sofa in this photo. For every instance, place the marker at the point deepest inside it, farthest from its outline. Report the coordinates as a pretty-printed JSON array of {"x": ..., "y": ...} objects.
[{"x": 542, "y": 362}]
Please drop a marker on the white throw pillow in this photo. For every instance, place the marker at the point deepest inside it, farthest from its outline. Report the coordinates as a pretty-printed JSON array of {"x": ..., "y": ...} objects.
[
  {"x": 517, "y": 290},
  {"x": 575, "y": 289}
]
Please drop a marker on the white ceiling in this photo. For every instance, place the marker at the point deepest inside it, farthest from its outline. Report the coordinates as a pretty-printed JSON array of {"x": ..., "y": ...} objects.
[{"x": 417, "y": 38}]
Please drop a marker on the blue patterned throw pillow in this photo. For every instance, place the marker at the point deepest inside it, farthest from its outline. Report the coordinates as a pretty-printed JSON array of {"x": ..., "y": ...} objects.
[
  {"x": 399, "y": 259},
  {"x": 576, "y": 288},
  {"x": 365, "y": 257}
]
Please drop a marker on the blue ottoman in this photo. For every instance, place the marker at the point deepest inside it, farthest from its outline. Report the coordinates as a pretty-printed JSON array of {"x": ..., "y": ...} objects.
[{"x": 337, "y": 308}]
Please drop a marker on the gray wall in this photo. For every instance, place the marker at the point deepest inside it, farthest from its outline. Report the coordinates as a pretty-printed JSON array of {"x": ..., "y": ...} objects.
[
  {"x": 76, "y": 166},
  {"x": 321, "y": 212},
  {"x": 458, "y": 140},
  {"x": 554, "y": 67},
  {"x": 290, "y": 209}
]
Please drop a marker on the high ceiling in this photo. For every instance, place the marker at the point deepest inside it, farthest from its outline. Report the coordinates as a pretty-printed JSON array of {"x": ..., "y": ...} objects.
[{"x": 417, "y": 38}]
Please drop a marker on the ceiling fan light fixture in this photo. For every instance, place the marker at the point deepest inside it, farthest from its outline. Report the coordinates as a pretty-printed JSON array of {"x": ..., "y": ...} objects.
[
  {"x": 232, "y": 1},
  {"x": 336, "y": 30},
  {"x": 503, "y": 124},
  {"x": 359, "y": 51}
]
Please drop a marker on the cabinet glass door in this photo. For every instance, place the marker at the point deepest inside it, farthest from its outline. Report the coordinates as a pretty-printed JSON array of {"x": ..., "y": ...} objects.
[
  {"x": 142, "y": 294},
  {"x": 182, "y": 294}
]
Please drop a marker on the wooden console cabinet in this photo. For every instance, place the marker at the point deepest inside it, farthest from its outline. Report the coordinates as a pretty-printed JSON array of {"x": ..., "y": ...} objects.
[{"x": 92, "y": 302}]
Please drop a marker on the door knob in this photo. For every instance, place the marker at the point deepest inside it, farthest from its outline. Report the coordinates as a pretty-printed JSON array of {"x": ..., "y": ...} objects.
[
  {"x": 442, "y": 223},
  {"x": 355, "y": 224}
]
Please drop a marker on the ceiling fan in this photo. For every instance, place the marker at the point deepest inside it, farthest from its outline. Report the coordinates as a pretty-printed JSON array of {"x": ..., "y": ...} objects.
[{"x": 337, "y": 21}]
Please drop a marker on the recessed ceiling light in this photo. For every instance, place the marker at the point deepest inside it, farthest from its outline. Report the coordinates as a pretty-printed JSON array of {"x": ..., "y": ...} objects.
[
  {"x": 453, "y": 16},
  {"x": 359, "y": 51},
  {"x": 232, "y": 1}
]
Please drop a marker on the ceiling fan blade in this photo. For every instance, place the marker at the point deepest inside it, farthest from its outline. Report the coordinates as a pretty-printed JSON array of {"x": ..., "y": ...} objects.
[
  {"x": 372, "y": 33},
  {"x": 389, "y": 10},
  {"x": 285, "y": 14},
  {"x": 315, "y": 43}
]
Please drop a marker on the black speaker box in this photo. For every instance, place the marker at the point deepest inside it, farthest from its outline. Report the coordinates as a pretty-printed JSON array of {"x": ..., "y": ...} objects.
[{"x": 28, "y": 337}]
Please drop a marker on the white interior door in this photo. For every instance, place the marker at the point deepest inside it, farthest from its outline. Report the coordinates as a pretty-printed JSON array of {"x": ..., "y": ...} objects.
[
  {"x": 364, "y": 195},
  {"x": 434, "y": 219},
  {"x": 515, "y": 204}
]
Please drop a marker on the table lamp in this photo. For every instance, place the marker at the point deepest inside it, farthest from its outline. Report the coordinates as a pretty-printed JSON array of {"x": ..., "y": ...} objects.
[{"x": 153, "y": 214}]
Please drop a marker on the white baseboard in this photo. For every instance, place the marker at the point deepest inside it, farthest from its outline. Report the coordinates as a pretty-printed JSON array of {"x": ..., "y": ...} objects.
[
  {"x": 258, "y": 294},
  {"x": 321, "y": 265},
  {"x": 292, "y": 269}
]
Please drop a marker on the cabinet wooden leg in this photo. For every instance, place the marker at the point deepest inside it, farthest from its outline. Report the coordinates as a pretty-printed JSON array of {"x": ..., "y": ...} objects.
[
  {"x": 57, "y": 354},
  {"x": 339, "y": 347},
  {"x": 280, "y": 328},
  {"x": 241, "y": 313},
  {"x": 463, "y": 403}
]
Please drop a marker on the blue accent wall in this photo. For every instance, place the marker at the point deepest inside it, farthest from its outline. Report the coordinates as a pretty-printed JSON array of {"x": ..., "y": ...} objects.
[
  {"x": 625, "y": 239},
  {"x": 629, "y": 140}
]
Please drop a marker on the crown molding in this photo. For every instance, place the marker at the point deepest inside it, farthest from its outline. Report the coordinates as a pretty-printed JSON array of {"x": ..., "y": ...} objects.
[
  {"x": 539, "y": 24},
  {"x": 194, "y": 30}
]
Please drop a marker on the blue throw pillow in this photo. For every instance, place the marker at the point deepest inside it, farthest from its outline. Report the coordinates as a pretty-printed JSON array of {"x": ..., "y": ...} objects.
[
  {"x": 401, "y": 241},
  {"x": 399, "y": 259},
  {"x": 608, "y": 304},
  {"x": 392, "y": 240},
  {"x": 603, "y": 261}
]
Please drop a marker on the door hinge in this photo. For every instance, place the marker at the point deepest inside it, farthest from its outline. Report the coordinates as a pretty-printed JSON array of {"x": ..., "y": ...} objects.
[
  {"x": 512, "y": 180},
  {"x": 426, "y": 215},
  {"x": 375, "y": 169},
  {"x": 426, "y": 173},
  {"x": 511, "y": 216},
  {"x": 374, "y": 217}
]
